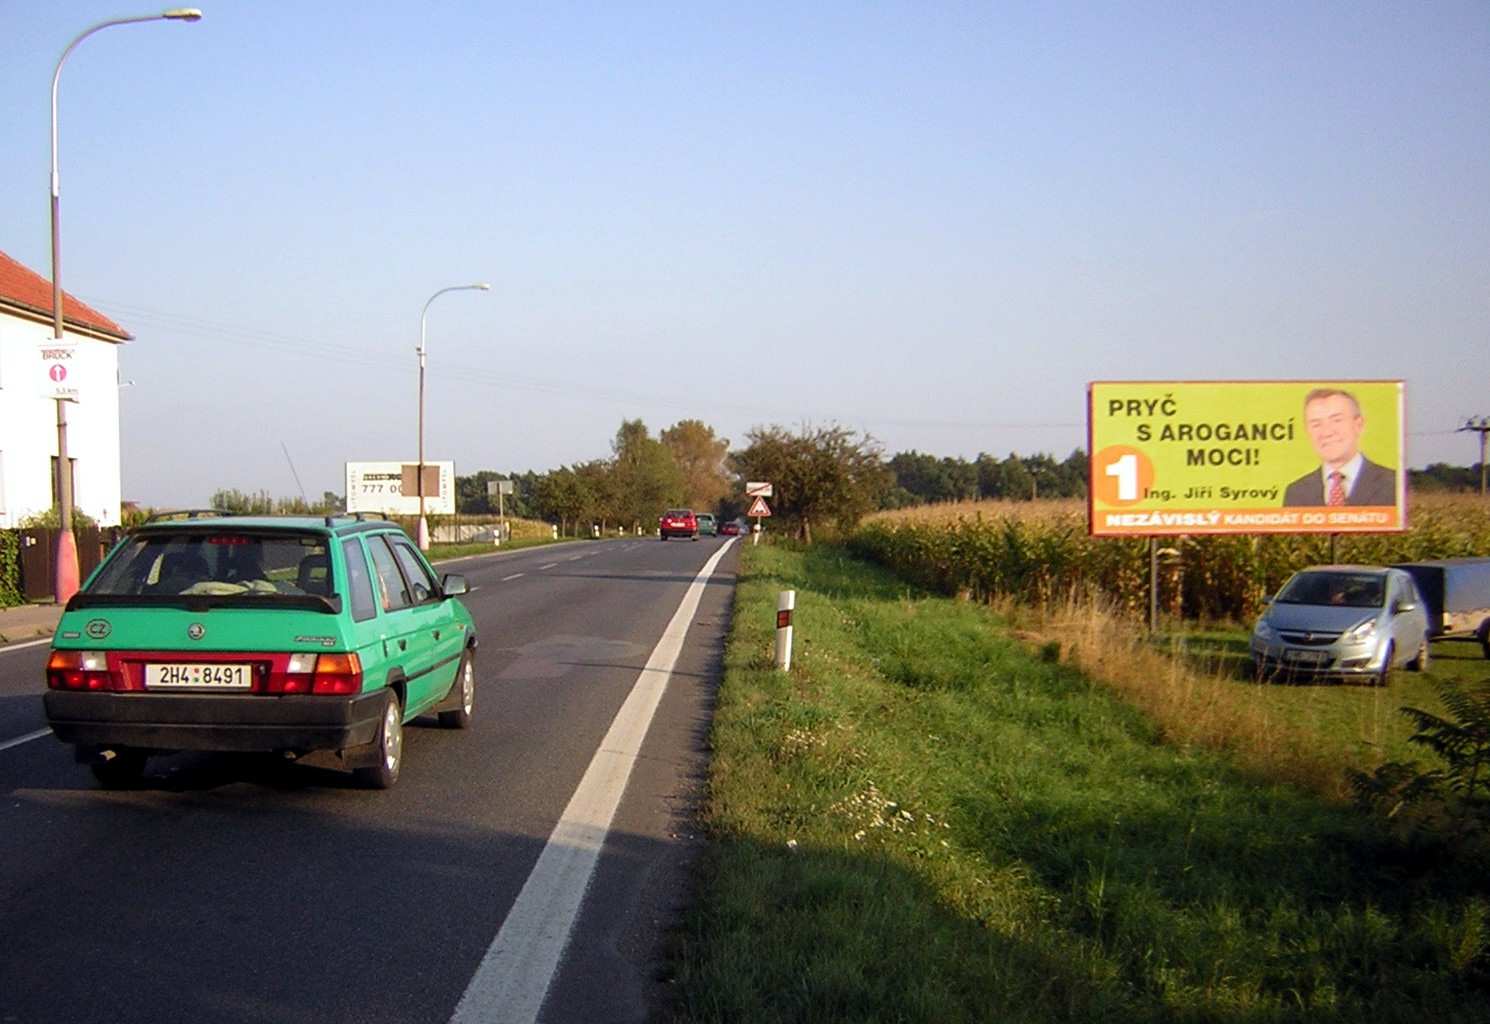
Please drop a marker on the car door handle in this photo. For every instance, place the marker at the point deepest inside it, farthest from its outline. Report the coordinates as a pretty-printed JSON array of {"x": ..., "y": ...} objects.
[
  {"x": 403, "y": 645},
  {"x": 437, "y": 634}
]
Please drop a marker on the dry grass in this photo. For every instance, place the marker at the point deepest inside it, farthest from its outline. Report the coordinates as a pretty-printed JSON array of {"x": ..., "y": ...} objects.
[{"x": 1190, "y": 705}]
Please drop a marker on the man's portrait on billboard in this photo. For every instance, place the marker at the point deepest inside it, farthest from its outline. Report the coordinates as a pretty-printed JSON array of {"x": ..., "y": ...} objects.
[{"x": 1334, "y": 423}]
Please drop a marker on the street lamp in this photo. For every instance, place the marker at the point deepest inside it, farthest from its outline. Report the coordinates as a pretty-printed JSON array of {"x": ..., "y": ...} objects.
[
  {"x": 480, "y": 286},
  {"x": 65, "y": 564}
]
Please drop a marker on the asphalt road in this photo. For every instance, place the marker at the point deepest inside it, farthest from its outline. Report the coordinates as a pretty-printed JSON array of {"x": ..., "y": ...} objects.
[{"x": 233, "y": 888}]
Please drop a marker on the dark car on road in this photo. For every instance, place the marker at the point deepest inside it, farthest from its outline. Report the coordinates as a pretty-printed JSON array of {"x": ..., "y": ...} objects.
[{"x": 278, "y": 634}]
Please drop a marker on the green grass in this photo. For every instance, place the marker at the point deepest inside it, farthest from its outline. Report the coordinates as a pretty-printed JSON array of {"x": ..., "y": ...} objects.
[
  {"x": 925, "y": 821},
  {"x": 1359, "y": 725}
]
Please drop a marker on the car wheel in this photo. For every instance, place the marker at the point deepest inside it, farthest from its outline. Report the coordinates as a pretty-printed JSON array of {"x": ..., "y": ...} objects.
[
  {"x": 389, "y": 746},
  {"x": 465, "y": 678},
  {"x": 119, "y": 769},
  {"x": 1420, "y": 663},
  {"x": 1380, "y": 679}
]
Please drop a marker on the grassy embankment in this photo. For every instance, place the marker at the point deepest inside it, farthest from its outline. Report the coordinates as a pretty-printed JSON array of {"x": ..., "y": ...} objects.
[
  {"x": 926, "y": 821},
  {"x": 1079, "y": 595}
]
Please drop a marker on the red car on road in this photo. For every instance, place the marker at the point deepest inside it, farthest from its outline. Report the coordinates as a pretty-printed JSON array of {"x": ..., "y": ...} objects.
[
  {"x": 678, "y": 522},
  {"x": 729, "y": 529}
]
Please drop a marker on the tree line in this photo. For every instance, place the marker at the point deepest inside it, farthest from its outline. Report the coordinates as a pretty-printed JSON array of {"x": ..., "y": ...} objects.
[
  {"x": 823, "y": 476},
  {"x": 826, "y": 475}
]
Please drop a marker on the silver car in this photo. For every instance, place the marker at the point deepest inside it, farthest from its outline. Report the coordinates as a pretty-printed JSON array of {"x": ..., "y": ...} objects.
[{"x": 1342, "y": 620}]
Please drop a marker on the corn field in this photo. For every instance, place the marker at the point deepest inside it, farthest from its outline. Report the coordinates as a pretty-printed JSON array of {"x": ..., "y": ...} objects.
[{"x": 1039, "y": 552}]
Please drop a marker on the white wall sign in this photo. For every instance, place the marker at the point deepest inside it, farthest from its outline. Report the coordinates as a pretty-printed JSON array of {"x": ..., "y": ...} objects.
[
  {"x": 390, "y": 487},
  {"x": 59, "y": 370}
]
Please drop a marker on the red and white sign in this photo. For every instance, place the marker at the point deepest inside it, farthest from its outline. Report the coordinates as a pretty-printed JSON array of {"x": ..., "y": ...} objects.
[
  {"x": 758, "y": 489},
  {"x": 759, "y": 508}
]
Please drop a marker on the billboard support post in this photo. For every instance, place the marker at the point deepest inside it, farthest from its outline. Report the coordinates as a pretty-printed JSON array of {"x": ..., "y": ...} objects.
[{"x": 1153, "y": 585}]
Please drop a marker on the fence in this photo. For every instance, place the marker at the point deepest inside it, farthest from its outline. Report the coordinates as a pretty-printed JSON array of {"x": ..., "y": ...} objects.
[{"x": 36, "y": 549}]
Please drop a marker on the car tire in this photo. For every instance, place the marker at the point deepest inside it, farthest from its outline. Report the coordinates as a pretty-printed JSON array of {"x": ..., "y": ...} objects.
[
  {"x": 1420, "y": 663},
  {"x": 1380, "y": 679},
  {"x": 389, "y": 746},
  {"x": 119, "y": 769},
  {"x": 465, "y": 678}
]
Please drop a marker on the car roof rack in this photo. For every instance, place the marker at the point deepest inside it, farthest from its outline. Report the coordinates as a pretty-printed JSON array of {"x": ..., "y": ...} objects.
[
  {"x": 359, "y": 516},
  {"x": 187, "y": 513}
]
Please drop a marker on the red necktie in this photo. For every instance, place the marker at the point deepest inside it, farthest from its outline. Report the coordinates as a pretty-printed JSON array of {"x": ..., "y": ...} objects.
[{"x": 1337, "y": 489}]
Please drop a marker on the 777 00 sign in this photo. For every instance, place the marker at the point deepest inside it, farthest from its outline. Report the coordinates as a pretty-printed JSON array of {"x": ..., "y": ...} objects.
[{"x": 1245, "y": 457}]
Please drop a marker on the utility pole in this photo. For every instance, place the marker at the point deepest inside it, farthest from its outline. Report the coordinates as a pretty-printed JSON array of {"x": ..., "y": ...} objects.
[{"x": 1480, "y": 425}]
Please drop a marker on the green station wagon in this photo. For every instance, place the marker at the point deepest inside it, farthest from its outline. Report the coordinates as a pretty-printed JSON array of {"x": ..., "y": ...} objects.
[{"x": 229, "y": 633}]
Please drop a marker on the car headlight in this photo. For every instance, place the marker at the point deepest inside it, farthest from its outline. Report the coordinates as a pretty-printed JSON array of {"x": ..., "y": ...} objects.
[
  {"x": 1365, "y": 631},
  {"x": 1262, "y": 631}
]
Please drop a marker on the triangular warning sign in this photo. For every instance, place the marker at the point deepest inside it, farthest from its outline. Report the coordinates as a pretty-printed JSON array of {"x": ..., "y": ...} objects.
[{"x": 758, "y": 507}]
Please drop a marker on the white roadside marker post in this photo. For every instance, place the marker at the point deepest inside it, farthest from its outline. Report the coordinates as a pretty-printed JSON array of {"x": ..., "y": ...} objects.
[{"x": 786, "y": 602}]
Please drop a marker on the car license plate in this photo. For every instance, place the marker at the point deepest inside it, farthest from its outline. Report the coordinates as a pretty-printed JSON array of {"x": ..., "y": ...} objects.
[
  {"x": 1304, "y": 657},
  {"x": 198, "y": 676}
]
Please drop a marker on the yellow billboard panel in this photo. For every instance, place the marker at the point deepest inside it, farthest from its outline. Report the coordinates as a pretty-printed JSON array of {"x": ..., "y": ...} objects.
[{"x": 1245, "y": 457}]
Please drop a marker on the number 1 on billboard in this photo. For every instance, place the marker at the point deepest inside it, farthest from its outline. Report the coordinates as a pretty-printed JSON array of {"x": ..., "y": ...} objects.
[{"x": 1126, "y": 471}]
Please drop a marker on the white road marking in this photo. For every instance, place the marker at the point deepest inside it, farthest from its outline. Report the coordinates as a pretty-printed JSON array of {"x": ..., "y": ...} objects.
[
  {"x": 38, "y": 734},
  {"x": 512, "y": 980},
  {"x": 550, "y": 565},
  {"x": 513, "y": 576},
  {"x": 575, "y": 558},
  {"x": 21, "y": 647}
]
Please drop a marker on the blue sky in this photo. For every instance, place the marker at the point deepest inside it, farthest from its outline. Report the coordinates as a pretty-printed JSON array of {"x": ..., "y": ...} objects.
[{"x": 935, "y": 222}]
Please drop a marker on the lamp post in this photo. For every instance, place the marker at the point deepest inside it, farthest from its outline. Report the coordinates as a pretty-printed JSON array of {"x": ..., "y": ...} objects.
[
  {"x": 480, "y": 286},
  {"x": 65, "y": 562}
]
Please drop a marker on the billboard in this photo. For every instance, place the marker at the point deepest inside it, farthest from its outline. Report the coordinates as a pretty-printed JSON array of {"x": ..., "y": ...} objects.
[
  {"x": 1245, "y": 457},
  {"x": 392, "y": 487}
]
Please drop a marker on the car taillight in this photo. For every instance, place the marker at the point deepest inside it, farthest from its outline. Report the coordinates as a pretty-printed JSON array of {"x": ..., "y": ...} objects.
[
  {"x": 317, "y": 673},
  {"x": 338, "y": 673},
  {"x": 78, "y": 670}
]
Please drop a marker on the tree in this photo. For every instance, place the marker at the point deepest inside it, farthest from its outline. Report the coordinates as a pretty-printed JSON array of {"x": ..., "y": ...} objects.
[
  {"x": 700, "y": 457},
  {"x": 822, "y": 475},
  {"x": 560, "y": 497},
  {"x": 646, "y": 477}
]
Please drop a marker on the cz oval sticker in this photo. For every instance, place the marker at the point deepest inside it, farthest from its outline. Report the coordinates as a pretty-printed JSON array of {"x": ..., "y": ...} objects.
[{"x": 98, "y": 628}]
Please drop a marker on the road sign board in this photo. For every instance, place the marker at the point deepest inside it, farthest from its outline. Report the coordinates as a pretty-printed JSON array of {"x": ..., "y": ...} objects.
[
  {"x": 58, "y": 363},
  {"x": 759, "y": 508},
  {"x": 758, "y": 489}
]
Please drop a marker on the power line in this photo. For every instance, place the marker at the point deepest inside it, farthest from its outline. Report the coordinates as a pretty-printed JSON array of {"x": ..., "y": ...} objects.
[{"x": 502, "y": 379}]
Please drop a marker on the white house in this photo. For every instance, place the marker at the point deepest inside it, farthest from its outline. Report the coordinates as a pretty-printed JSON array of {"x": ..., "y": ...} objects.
[{"x": 28, "y": 417}]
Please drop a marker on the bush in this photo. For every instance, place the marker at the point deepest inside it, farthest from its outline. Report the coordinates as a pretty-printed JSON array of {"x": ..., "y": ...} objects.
[{"x": 10, "y": 570}]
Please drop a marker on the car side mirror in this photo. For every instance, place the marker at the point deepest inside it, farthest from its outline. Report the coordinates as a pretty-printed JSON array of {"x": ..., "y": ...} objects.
[
  {"x": 453, "y": 585},
  {"x": 1405, "y": 606}
]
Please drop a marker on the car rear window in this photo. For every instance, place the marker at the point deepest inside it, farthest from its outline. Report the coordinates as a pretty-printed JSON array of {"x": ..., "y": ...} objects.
[
  {"x": 1342, "y": 589},
  {"x": 678, "y": 513},
  {"x": 220, "y": 563}
]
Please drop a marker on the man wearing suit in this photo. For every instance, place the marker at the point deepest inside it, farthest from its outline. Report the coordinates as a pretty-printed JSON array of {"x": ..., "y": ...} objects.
[{"x": 1345, "y": 476}]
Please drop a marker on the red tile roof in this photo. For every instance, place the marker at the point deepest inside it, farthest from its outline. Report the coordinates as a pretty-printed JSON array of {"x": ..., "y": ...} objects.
[{"x": 22, "y": 287}]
